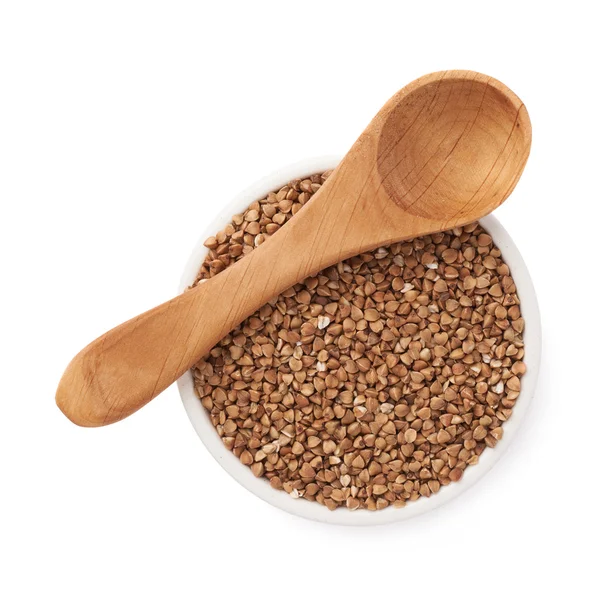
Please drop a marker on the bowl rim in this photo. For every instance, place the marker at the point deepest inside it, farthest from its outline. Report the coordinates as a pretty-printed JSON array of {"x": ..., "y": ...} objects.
[{"x": 342, "y": 516}]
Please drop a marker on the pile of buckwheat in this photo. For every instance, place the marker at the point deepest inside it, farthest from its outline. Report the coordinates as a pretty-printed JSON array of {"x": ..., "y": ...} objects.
[{"x": 375, "y": 382}]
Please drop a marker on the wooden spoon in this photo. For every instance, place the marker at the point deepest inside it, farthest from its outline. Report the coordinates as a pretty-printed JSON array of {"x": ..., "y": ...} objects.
[{"x": 444, "y": 151}]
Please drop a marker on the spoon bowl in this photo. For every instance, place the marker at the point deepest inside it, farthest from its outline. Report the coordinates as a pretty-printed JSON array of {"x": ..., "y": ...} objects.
[{"x": 453, "y": 144}]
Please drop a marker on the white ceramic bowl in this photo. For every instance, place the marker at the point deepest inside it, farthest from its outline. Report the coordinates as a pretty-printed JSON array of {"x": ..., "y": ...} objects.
[{"x": 313, "y": 510}]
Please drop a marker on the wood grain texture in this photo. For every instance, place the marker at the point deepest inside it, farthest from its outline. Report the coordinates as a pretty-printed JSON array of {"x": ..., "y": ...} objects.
[{"x": 444, "y": 151}]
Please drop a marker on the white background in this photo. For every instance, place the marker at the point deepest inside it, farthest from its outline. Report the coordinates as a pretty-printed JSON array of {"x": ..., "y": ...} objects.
[{"x": 124, "y": 126}]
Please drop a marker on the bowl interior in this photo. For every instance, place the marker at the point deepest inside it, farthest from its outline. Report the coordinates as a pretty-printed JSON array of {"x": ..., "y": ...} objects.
[{"x": 313, "y": 510}]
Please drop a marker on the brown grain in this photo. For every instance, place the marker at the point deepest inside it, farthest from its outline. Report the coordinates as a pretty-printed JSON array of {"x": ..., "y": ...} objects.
[{"x": 378, "y": 380}]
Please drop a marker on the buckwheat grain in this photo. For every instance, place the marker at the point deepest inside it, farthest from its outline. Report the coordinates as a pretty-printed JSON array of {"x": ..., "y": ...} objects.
[{"x": 378, "y": 380}]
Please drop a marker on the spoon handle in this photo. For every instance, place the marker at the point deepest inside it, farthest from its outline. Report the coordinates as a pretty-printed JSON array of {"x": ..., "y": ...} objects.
[{"x": 125, "y": 368}]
